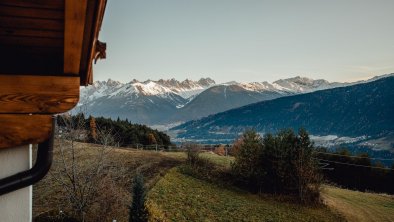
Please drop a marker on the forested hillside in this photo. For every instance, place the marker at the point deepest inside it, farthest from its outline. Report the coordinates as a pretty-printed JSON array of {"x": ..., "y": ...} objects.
[
  {"x": 358, "y": 110},
  {"x": 123, "y": 132}
]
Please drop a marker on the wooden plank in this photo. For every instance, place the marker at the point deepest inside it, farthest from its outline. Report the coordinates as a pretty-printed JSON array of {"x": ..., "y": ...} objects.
[
  {"x": 88, "y": 42},
  {"x": 74, "y": 24},
  {"x": 94, "y": 29},
  {"x": 21, "y": 129},
  {"x": 38, "y": 94},
  {"x": 31, "y": 12},
  {"x": 30, "y": 41},
  {"x": 31, "y": 33},
  {"x": 49, "y": 4},
  {"x": 31, "y": 23}
]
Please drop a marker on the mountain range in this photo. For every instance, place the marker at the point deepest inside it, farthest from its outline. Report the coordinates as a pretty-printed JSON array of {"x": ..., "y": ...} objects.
[
  {"x": 363, "y": 110},
  {"x": 169, "y": 101}
]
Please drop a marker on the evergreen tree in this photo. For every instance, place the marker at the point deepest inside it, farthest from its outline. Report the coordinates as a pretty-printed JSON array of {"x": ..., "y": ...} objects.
[
  {"x": 248, "y": 159},
  {"x": 138, "y": 211}
]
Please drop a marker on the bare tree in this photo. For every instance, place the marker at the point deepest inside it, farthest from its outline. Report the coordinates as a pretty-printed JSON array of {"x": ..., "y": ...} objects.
[{"x": 80, "y": 171}]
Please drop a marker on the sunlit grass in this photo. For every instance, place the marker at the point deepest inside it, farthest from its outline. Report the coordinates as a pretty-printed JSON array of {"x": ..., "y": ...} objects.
[
  {"x": 360, "y": 206},
  {"x": 178, "y": 197}
]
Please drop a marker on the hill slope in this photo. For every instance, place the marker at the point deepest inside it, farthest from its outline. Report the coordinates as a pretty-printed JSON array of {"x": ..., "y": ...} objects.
[
  {"x": 178, "y": 197},
  {"x": 358, "y": 206},
  {"x": 357, "y": 110}
]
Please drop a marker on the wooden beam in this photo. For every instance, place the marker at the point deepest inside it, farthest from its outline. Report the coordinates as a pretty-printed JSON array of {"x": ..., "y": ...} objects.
[
  {"x": 74, "y": 24},
  {"x": 91, "y": 38},
  {"x": 21, "y": 129},
  {"x": 17, "y": 11},
  {"x": 15, "y": 32},
  {"x": 49, "y": 4},
  {"x": 30, "y": 41},
  {"x": 31, "y": 23},
  {"x": 38, "y": 94}
]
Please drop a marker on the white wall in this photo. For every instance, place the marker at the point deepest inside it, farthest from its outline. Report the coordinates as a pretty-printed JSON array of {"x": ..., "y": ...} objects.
[{"x": 16, "y": 206}]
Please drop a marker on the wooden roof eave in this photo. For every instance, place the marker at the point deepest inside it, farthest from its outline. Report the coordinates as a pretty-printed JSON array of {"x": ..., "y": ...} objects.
[
  {"x": 96, "y": 49},
  {"x": 34, "y": 97}
]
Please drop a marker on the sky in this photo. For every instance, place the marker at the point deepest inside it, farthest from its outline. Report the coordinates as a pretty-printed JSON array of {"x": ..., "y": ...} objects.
[{"x": 247, "y": 40}]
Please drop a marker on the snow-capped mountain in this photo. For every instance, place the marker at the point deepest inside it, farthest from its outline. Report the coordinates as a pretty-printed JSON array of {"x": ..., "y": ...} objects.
[
  {"x": 146, "y": 102},
  {"x": 352, "y": 113},
  {"x": 302, "y": 84},
  {"x": 161, "y": 88},
  {"x": 168, "y": 101}
]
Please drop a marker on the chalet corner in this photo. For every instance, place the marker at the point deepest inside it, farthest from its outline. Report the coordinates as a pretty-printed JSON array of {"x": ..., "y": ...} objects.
[{"x": 47, "y": 51}]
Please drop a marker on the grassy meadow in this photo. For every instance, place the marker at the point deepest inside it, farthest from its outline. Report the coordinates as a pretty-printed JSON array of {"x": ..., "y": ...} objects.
[
  {"x": 179, "y": 197},
  {"x": 359, "y": 206}
]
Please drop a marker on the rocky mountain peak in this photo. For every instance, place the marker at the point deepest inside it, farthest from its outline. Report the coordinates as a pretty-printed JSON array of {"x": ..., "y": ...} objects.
[{"x": 206, "y": 81}]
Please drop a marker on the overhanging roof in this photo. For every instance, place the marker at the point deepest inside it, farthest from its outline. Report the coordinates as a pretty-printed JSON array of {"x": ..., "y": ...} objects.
[
  {"x": 47, "y": 48},
  {"x": 50, "y": 37}
]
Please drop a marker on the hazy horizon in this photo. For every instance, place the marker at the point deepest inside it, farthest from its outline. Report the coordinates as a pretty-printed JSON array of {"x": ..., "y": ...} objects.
[
  {"x": 247, "y": 41},
  {"x": 217, "y": 82}
]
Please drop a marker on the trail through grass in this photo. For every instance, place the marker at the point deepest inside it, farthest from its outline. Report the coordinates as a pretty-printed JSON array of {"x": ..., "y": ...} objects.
[{"x": 360, "y": 206}]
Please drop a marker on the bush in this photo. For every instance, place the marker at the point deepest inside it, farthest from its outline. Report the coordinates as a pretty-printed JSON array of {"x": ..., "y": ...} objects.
[
  {"x": 281, "y": 163},
  {"x": 247, "y": 163},
  {"x": 196, "y": 165},
  {"x": 220, "y": 150}
]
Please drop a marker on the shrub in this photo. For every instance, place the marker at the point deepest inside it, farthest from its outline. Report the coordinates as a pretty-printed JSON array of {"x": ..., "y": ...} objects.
[
  {"x": 281, "y": 163},
  {"x": 220, "y": 150},
  {"x": 196, "y": 165},
  {"x": 247, "y": 163}
]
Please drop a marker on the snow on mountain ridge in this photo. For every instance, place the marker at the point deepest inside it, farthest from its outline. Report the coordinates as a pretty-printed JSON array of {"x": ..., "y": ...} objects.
[
  {"x": 162, "y": 88},
  {"x": 303, "y": 84},
  {"x": 188, "y": 89},
  {"x": 291, "y": 85}
]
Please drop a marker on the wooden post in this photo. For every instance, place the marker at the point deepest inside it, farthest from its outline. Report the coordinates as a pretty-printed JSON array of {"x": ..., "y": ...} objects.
[{"x": 17, "y": 205}]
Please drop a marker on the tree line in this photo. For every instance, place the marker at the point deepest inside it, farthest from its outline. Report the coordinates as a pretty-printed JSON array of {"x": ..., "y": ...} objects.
[
  {"x": 288, "y": 163},
  {"x": 124, "y": 132},
  {"x": 356, "y": 172}
]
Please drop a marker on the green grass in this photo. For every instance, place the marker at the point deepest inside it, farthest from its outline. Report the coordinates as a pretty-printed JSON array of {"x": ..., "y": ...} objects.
[
  {"x": 219, "y": 160},
  {"x": 360, "y": 206},
  {"x": 178, "y": 197}
]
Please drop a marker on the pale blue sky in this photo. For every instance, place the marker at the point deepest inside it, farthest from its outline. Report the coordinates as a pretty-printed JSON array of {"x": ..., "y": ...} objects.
[{"x": 247, "y": 40}]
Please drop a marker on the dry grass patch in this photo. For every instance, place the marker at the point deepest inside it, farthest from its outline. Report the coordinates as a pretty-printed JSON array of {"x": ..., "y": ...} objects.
[
  {"x": 113, "y": 186},
  {"x": 359, "y": 206}
]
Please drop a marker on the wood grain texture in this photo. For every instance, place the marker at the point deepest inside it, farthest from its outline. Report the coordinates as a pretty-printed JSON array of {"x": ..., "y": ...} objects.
[
  {"x": 22, "y": 129},
  {"x": 14, "y": 32},
  {"x": 38, "y": 94},
  {"x": 31, "y": 41},
  {"x": 17, "y": 11},
  {"x": 92, "y": 37},
  {"x": 48, "y": 4},
  {"x": 31, "y": 23},
  {"x": 74, "y": 24}
]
